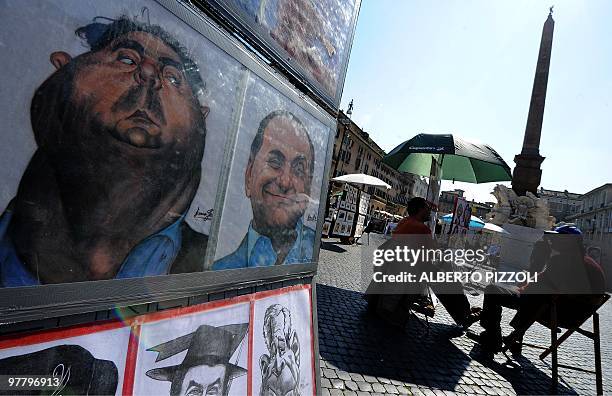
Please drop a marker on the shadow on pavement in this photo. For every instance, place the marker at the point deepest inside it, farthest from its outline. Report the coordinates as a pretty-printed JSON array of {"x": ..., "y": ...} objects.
[
  {"x": 524, "y": 376},
  {"x": 353, "y": 342},
  {"x": 332, "y": 247}
]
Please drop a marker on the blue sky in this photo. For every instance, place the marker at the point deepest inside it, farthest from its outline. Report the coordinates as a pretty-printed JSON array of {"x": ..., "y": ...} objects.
[{"x": 467, "y": 67}]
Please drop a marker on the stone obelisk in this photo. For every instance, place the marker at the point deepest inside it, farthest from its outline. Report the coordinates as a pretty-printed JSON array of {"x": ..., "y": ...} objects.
[{"x": 527, "y": 173}]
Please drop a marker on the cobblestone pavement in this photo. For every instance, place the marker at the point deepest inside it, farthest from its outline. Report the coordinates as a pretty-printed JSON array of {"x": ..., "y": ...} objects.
[{"x": 361, "y": 355}]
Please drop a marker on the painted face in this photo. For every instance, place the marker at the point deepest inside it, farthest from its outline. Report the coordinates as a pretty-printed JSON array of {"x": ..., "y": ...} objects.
[
  {"x": 281, "y": 371},
  {"x": 204, "y": 381},
  {"x": 135, "y": 89},
  {"x": 278, "y": 178}
]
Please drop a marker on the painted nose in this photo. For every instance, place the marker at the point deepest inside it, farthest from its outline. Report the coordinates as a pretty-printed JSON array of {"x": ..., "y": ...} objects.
[
  {"x": 148, "y": 74},
  {"x": 284, "y": 179},
  {"x": 279, "y": 364}
]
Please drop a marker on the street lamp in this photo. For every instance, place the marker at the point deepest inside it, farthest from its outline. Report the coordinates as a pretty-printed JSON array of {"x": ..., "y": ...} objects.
[{"x": 345, "y": 122}]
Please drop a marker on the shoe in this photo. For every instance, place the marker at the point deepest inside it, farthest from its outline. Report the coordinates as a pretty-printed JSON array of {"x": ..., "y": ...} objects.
[
  {"x": 514, "y": 343},
  {"x": 472, "y": 318}
]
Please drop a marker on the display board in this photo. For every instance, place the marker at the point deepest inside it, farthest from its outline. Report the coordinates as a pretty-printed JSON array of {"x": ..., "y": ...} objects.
[
  {"x": 461, "y": 217},
  {"x": 142, "y": 142},
  {"x": 433, "y": 193},
  {"x": 364, "y": 203},
  {"x": 261, "y": 343},
  {"x": 345, "y": 218},
  {"x": 310, "y": 40},
  {"x": 362, "y": 211},
  {"x": 360, "y": 226}
]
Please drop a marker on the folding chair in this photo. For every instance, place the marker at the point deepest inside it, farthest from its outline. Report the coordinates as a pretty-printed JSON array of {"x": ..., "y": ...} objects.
[{"x": 556, "y": 322}]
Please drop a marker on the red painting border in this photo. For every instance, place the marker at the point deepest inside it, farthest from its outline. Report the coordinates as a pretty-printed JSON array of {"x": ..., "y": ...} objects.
[
  {"x": 42, "y": 336},
  {"x": 250, "y": 354},
  {"x": 183, "y": 311},
  {"x": 277, "y": 292},
  {"x": 312, "y": 345},
  {"x": 135, "y": 323},
  {"x": 130, "y": 364}
]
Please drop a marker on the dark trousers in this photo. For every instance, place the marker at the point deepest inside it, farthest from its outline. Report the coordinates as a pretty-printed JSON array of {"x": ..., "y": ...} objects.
[
  {"x": 454, "y": 301},
  {"x": 528, "y": 308},
  {"x": 494, "y": 300}
]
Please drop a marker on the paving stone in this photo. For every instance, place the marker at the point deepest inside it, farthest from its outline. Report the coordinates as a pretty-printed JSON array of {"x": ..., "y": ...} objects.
[
  {"x": 343, "y": 375},
  {"x": 356, "y": 377},
  {"x": 390, "y": 388},
  {"x": 489, "y": 391},
  {"x": 337, "y": 383},
  {"x": 377, "y": 387},
  {"x": 325, "y": 383},
  {"x": 364, "y": 386},
  {"x": 352, "y": 385},
  {"x": 336, "y": 392},
  {"x": 329, "y": 373},
  {"x": 403, "y": 390}
]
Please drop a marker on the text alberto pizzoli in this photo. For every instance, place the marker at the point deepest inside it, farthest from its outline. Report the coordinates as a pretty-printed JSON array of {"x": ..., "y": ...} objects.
[{"x": 458, "y": 256}]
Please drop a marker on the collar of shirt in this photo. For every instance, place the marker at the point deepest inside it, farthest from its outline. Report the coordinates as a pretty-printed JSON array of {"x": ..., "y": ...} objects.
[
  {"x": 152, "y": 256},
  {"x": 260, "y": 252}
]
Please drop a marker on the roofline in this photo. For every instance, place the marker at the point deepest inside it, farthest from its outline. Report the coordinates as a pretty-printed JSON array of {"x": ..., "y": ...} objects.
[{"x": 598, "y": 188}]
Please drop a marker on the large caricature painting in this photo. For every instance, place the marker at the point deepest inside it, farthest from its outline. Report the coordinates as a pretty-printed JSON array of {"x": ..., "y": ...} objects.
[
  {"x": 203, "y": 353},
  {"x": 116, "y": 121},
  {"x": 282, "y": 347},
  {"x": 315, "y": 35},
  {"x": 81, "y": 361},
  {"x": 271, "y": 204}
]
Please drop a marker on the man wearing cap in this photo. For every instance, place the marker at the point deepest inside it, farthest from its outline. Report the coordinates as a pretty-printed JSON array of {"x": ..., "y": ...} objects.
[
  {"x": 120, "y": 136},
  {"x": 206, "y": 368},
  {"x": 573, "y": 278}
]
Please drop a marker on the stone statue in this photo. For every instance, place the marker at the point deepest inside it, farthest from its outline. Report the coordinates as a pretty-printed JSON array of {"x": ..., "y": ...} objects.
[{"x": 527, "y": 211}]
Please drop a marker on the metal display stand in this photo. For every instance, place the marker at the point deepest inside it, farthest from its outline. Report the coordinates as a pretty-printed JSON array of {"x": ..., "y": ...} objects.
[{"x": 57, "y": 306}]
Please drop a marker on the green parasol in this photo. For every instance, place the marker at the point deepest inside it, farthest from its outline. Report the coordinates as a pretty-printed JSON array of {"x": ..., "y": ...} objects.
[{"x": 460, "y": 160}]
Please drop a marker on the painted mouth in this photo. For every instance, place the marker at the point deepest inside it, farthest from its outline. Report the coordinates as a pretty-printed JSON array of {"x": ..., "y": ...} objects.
[
  {"x": 142, "y": 116},
  {"x": 139, "y": 130}
]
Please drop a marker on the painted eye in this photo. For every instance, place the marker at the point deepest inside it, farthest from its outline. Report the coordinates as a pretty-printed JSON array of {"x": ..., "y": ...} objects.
[
  {"x": 213, "y": 391},
  {"x": 275, "y": 164},
  {"x": 127, "y": 60},
  {"x": 173, "y": 76}
]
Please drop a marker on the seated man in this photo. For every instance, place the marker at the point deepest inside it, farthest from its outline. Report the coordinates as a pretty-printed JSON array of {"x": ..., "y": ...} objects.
[
  {"x": 450, "y": 294},
  {"x": 568, "y": 275}
]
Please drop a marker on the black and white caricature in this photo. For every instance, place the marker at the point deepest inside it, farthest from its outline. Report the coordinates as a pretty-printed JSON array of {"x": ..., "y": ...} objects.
[
  {"x": 280, "y": 369},
  {"x": 74, "y": 369},
  {"x": 206, "y": 368}
]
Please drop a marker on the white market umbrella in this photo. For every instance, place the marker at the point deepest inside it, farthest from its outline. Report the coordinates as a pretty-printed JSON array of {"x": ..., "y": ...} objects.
[
  {"x": 360, "y": 178},
  {"x": 494, "y": 228}
]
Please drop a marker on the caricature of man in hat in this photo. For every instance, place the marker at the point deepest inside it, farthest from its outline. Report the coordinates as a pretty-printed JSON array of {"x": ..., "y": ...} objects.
[{"x": 206, "y": 369}]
